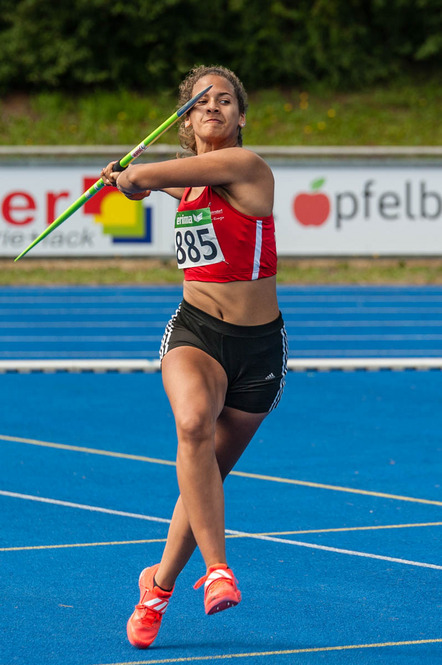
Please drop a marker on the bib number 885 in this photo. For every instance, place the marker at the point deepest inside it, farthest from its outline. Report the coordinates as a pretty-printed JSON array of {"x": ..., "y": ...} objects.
[{"x": 192, "y": 246}]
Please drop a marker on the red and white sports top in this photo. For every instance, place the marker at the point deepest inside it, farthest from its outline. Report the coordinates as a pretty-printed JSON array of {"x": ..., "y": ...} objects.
[{"x": 214, "y": 242}]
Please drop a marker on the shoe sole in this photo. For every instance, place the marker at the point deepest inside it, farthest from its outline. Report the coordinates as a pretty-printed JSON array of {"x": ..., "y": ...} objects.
[{"x": 222, "y": 605}]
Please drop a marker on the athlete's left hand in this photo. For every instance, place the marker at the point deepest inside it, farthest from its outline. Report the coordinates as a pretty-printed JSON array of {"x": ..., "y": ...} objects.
[{"x": 139, "y": 196}]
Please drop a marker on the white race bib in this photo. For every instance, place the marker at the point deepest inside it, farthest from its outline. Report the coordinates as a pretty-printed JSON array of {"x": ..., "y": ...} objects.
[{"x": 196, "y": 243}]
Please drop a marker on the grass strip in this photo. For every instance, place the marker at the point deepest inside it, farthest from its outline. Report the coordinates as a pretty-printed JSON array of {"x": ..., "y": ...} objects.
[
  {"x": 405, "y": 111},
  {"x": 139, "y": 271}
]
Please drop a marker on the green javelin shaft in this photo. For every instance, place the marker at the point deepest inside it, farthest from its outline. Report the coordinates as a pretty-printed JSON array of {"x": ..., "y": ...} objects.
[{"x": 123, "y": 162}]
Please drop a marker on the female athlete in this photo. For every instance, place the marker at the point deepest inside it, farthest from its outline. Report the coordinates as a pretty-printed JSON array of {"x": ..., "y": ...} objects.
[{"x": 223, "y": 353}]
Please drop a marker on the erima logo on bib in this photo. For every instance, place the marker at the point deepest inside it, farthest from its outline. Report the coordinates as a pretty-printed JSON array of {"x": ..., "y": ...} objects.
[{"x": 196, "y": 243}]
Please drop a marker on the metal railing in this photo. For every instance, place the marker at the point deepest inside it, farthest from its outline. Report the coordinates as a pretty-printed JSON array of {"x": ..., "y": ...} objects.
[{"x": 164, "y": 150}]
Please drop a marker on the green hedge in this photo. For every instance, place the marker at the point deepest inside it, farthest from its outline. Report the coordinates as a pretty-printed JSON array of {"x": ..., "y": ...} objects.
[{"x": 150, "y": 44}]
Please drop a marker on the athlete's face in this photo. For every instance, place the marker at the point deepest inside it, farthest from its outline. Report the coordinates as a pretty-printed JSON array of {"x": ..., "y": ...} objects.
[{"x": 215, "y": 118}]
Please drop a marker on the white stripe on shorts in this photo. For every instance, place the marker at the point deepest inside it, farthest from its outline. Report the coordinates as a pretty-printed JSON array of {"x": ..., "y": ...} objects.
[
  {"x": 167, "y": 333},
  {"x": 285, "y": 352}
]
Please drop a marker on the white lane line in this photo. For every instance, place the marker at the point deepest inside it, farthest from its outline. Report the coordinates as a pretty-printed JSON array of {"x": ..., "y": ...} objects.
[
  {"x": 83, "y": 311},
  {"x": 363, "y": 323},
  {"x": 242, "y": 534},
  {"x": 366, "y": 338},
  {"x": 32, "y": 339},
  {"x": 98, "y": 299},
  {"x": 163, "y": 540},
  {"x": 364, "y": 352},
  {"x": 111, "y": 543},
  {"x": 359, "y": 309},
  {"x": 337, "y": 550},
  {"x": 25, "y": 339},
  {"x": 359, "y": 298},
  {"x": 141, "y": 355},
  {"x": 141, "y": 311},
  {"x": 242, "y": 474},
  {"x": 285, "y": 652},
  {"x": 137, "y": 323},
  {"x": 86, "y": 324},
  {"x": 312, "y": 323},
  {"x": 95, "y": 509}
]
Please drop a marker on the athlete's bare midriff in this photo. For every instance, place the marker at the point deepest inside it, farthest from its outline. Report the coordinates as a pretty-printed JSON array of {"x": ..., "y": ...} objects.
[{"x": 243, "y": 303}]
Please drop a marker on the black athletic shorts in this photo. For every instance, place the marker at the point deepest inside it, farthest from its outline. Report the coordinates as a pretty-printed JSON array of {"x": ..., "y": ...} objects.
[{"x": 253, "y": 357}]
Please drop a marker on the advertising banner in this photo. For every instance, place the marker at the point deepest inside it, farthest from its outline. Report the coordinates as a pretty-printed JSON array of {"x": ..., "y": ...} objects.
[
  {"x": 328, "y": 210},
  {"x": 358, "y": 211},
  {"x": 108, "y": 224}
]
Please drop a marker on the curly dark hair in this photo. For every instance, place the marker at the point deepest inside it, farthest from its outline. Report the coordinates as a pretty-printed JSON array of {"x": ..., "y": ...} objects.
[{"x": 185, "y": 134}]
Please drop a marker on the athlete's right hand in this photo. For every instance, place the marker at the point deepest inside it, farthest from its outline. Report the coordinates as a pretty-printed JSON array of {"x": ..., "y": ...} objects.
[{"x": 108, "y": 176}]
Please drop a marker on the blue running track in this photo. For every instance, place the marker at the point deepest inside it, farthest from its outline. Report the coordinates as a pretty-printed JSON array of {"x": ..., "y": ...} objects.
[
  {"x": 127, "y": 322},
  {"x": 333, "y": 514}
]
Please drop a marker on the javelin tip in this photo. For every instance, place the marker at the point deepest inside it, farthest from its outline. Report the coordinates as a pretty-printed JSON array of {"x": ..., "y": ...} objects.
[{"x": 188, "y": 105}]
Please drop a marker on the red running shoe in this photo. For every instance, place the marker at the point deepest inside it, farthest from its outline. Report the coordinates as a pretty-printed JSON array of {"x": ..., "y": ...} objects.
[
  {"x": 220, "y": 590},
  {"x": 144, "y": 624}
]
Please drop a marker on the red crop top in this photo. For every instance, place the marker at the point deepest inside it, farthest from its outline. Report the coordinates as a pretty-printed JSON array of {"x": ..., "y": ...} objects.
[{"x": 214, "y": 242}]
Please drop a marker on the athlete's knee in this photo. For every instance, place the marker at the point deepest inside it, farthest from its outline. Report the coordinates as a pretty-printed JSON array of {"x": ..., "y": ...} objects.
[{"x": 195, "y": 427}]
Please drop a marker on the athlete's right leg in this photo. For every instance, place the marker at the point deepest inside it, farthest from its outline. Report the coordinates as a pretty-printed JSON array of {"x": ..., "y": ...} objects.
[
  {"x": 196, "y": 385},
  {"x": 234, "y": 431}
]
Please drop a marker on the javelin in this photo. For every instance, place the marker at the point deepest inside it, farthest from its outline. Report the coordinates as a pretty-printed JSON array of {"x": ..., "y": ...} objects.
[{"x": 118, "y": 166}]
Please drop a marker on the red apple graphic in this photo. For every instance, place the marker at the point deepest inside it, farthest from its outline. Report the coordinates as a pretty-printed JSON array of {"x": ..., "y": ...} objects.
[{"x": 312, "y": 209}]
